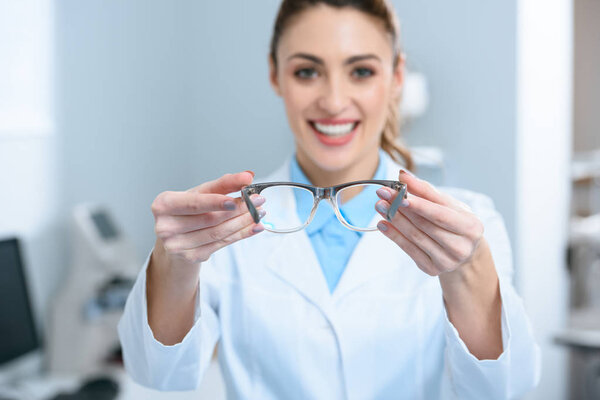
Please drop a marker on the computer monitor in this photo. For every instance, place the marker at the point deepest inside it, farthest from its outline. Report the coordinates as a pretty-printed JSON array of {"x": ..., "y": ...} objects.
[{"x": 20, "y": 348}]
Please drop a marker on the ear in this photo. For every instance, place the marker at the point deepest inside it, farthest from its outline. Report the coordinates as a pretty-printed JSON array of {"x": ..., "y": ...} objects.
[
  {"x": 399, "y": 71},
  {"x": 273, "y": 76}
]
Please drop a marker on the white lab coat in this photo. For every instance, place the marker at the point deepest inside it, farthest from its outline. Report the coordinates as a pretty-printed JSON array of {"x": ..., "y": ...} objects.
[{"x": 382, "y": 334}]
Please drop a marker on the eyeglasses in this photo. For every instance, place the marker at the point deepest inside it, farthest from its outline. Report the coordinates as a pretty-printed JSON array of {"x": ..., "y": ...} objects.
[{"x": 290, "y": 206}]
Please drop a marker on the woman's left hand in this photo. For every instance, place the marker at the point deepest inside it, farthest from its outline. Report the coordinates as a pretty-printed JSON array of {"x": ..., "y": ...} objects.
[
  {"x": 445, "y": 238},
  {"x": 437, "y": 231}
]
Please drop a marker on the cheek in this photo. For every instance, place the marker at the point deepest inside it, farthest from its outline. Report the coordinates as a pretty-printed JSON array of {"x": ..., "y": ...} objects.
[
  {"x": 297, "y": 100},
  {"x": 374, "y": 103},
  {"x": 375, "y": 99}
]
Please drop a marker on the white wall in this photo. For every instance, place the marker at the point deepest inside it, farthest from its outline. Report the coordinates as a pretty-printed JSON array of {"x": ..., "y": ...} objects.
[{"x": 545, "y": 54}]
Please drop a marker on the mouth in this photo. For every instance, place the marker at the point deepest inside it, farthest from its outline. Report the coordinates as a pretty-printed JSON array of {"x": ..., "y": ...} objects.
[{"x": 334, "y": 132}]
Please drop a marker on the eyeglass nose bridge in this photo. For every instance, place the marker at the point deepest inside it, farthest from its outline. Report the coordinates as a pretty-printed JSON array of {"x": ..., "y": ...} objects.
[
  {"x": 323, "y": 194},
  {"x": 320, "y": 193}
]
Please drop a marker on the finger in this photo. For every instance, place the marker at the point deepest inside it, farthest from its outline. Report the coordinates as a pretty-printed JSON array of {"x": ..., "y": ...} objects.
[
  {"x": 426, "y": 190},
  {"x": 190, "y": 203},
  {"x": 174, "y": 224},
  {"x": 458, "y": 247},
  {"x": 423, "y": 241},
  {"x": 228, "y": 183},
  {"x": 462, "y": 222},
  {"x": 203, "y": 253},
  {"x": 420, "y": 258},
  {"x": 393, "y": 197},
  {"x": 445, "y": 217},
  {"x": 194, "y": 239}
]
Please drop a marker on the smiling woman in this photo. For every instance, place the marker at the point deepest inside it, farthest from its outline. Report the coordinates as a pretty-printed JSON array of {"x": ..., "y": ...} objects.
[{"x": 367, "y": 295}]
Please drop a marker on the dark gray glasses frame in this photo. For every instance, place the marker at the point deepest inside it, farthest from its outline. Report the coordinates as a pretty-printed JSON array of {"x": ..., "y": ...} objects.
[{"x": 324, "y": 193}]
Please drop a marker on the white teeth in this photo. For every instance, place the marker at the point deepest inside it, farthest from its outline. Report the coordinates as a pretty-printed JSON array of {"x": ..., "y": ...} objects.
[{"x": 335, "y": 130}]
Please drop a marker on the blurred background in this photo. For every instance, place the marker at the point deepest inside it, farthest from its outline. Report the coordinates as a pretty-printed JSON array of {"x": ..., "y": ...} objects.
[{"x": 105, "y": 103}]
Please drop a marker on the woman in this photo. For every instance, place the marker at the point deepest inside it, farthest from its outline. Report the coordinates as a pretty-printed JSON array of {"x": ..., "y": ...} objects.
[{"x": 422, "y": 309}]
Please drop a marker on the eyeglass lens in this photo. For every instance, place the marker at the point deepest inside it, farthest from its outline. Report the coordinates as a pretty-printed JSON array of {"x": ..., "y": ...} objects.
[{"x": 288, "y": 208}]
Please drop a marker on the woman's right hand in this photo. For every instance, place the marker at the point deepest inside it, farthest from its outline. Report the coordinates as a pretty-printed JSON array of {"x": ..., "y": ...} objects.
[{"x": 192, "y": 225}]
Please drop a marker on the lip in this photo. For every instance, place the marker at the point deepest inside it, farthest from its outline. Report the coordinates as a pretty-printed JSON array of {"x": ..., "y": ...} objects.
[{"x": 334, "y": 141}]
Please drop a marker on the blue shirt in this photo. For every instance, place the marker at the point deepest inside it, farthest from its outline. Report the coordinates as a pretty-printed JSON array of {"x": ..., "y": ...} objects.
[{"x": 333, "y": 242}]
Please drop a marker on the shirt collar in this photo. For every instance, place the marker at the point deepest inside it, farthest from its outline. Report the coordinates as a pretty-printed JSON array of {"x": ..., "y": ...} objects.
[{"x": 325, "y": 212}]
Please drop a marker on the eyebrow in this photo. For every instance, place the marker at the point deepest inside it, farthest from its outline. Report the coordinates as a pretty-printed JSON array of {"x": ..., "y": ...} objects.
[{"x": 348, "y": 61}]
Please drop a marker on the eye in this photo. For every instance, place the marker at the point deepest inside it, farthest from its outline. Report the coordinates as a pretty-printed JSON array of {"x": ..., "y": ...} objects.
[
  {"x": 306, "y": 73},
  {"x": 362, "y": 72}
]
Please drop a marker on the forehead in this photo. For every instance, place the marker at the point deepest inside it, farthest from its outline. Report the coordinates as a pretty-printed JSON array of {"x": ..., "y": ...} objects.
[{"x": 335, "y": 33}]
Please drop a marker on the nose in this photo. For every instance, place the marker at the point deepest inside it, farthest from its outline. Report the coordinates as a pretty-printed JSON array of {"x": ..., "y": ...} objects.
[{"x": 334, "y": 98}]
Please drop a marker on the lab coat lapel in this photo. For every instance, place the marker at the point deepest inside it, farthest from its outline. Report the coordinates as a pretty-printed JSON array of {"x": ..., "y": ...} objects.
[
  {"x": 368, "y": 261},
  {"x": 294, "y": 260}
]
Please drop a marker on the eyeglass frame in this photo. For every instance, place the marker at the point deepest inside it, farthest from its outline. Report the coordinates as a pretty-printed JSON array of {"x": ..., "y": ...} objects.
[{"x": 324, "y": 193}]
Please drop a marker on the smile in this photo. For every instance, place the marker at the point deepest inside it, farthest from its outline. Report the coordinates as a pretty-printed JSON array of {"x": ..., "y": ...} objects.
[
  {"x": 334, "y": 132},
  {"x": 335, "y": 129}
]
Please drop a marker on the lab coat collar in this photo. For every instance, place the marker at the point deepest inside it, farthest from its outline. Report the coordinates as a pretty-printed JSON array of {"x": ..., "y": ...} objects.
[{"x": 295, "y": 262}]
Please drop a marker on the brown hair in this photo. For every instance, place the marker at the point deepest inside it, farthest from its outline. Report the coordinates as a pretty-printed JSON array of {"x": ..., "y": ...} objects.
[{"x": 381, "y": 9}]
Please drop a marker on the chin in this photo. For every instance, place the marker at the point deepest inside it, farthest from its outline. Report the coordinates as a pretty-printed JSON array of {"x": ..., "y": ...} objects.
[{"x": 331, "y": 159}]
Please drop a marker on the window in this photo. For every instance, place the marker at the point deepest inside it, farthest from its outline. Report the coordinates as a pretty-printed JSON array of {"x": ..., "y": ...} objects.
[{"x": 25, "y": 67}]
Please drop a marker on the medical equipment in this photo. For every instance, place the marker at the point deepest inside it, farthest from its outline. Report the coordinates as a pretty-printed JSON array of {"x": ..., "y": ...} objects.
[{"x": 87, "y": 308}]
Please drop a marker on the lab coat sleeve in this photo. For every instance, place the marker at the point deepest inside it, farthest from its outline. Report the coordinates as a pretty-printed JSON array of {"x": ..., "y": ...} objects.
[
  {"x": 517, "y": 369},
  {"x": 174, "y": 367}
]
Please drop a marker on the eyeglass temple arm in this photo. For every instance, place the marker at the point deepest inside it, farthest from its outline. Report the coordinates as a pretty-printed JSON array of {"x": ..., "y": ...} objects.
[
  {"x": 394, "y": 207},
  {"x": 250, "y": 206}
]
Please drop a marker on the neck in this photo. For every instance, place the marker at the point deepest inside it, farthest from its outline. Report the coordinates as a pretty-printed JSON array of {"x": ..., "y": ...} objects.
[{"x": 364, "y": 168}]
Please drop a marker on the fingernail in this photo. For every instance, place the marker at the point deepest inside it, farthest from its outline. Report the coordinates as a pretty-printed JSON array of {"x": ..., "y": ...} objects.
[
  {"x": 258, "y": 228},
  {"x": 229, "y": 205},
  {"x": 382, "y": 208},
  {"x": 261, "y": 213},
  {"x": 405, "y": 171},
  {"x": 258, "y": 201},
  {"x": 250, "y": 172},
  {"x": 382, "y": 227},
  {"x": 404, "y": 203},
  {"x": 384, "y": 194}
]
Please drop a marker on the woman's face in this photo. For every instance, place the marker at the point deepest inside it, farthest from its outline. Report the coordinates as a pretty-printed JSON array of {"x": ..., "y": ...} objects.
[{"x": 336, "y": 76}]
